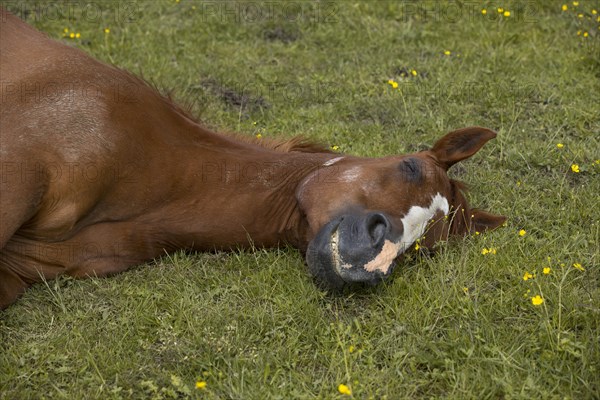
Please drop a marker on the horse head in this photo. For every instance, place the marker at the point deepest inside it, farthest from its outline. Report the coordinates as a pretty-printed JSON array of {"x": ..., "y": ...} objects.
[{"x": 376, "y": 209}]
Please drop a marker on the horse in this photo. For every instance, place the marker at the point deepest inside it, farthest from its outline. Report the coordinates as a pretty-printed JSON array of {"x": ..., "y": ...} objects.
[{"x": 100, "y": 173}]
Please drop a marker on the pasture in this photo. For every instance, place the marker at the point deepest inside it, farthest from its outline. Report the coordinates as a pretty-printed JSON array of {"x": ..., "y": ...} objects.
[{"x": 513, "y": 313}]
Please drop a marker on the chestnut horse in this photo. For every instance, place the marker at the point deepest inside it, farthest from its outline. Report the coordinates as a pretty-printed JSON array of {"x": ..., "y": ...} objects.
[{"x": 100, "y": 173}]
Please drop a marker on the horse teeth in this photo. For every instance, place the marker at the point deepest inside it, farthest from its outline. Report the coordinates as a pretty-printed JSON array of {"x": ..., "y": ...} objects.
[{"x": 334, "y": 244}]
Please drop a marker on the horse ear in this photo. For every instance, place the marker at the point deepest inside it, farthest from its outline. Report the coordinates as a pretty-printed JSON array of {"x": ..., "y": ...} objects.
[
  {"x": 482, "y": 221},
  {"x": 461, "y": 144}
]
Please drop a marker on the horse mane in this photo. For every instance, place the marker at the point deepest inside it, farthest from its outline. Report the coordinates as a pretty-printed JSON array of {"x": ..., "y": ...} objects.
[
  {"x": 298, "y": 144},
  {"x": 184, "y": 107}
]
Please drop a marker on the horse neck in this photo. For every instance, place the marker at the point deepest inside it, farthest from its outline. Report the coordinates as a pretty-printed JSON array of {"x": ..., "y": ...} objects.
[{"x": 234, "y": 194}]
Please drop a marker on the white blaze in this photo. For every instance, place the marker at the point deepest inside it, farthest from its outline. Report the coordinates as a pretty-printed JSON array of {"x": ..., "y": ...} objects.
[{"x": 415, "y": 221}]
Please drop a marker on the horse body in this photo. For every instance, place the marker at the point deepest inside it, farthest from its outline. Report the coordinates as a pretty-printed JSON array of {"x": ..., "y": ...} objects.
[{"x": 100, "y": 172}]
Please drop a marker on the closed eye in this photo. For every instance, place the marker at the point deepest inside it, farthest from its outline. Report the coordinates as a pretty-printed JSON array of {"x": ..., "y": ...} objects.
[{"x": 411, "y": 170}]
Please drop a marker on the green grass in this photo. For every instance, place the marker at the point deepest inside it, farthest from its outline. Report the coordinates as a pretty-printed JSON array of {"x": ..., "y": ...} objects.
[{"x": 252, "y": 324}]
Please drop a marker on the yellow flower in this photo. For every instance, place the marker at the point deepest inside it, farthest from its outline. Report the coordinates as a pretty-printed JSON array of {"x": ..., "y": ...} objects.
[
  {"x": 565, "y": 7},
  {"x": 560, "y": 145},
  {"x": 393, "y": 83},
  {"x": 500, "y": 10},
  {"x": 477, "y": 232},
  {"x": 578, "y": 266},
  {"x": 258, "y": 136},
  {"x": 200, "y": 385},
  {"x": 78, "y": 35},
  {"x": 106, "y": 30},
  {"x": 537, "y": 300},
  {"x": 466, "y": 290},
  {"x": 578, "y": 33},
  {"x": 335, "y": 147},
  {"x": 72, "y": 35},
  {"x": 343, "y": 389},
  {"x": 484, "y": 251},
  {"x": 527, "y": 276},
  {"x": 417, "y": 247},
  {"x": 484, "y": 11},
  {"x": 575, "y": 168},
  {"x": 579, "y": 15},
  {"x": 547, "y": 270},
  {"x": 585, "y": 34},
  {"x": 594, "y": 12},
  {"x": 575, "y": 3},
  {"x": 413, "y": 72},
  {"x": 522, "y": 232},
  {"x": 351, "y": 349},
  {"x": 447, "y": 52},
  {"x": 506, "y": 13},
  {"x": 66, "y": 30}
]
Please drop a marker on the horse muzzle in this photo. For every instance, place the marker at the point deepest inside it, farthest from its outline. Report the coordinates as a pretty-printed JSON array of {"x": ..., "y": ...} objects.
[{"x": 354, "y": 248}]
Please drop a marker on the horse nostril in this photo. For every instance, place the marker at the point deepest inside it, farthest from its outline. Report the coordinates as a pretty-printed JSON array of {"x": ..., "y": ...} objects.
[{"x": 377, "y": 227}]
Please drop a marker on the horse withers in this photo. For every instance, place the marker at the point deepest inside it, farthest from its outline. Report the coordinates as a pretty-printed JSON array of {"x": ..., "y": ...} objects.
[{"x": 100, "y": 173}]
